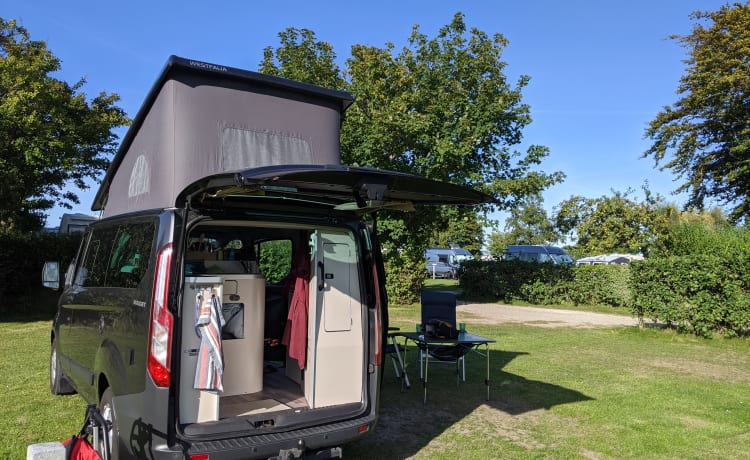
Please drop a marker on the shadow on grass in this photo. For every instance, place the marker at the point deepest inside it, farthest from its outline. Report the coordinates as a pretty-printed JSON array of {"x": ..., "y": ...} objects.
[
  {"x": 40, "y": 306},
  {"x": 13, "y": 317},
  {"x": 406, "y": 425}
]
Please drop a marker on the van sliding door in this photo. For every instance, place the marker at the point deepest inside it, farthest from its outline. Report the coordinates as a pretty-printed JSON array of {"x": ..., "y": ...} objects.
[{"x": 335, "y": 339}]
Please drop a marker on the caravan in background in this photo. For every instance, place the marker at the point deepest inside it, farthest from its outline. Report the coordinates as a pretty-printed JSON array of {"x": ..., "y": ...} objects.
[{"x": 444, "y": 262}]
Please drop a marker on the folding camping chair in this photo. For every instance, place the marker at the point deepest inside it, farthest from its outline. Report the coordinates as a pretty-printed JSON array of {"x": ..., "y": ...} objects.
[
  {"x": 396, "y": 352},
  {"x": 441, "y": 306}
]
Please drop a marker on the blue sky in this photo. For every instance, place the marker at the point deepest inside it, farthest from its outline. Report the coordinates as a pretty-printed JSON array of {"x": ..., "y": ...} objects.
[{"x": 600, "y": 70}]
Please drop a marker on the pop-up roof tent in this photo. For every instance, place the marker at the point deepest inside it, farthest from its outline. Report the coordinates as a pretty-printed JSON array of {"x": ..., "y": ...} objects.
[{"x": 202, "y": 119}]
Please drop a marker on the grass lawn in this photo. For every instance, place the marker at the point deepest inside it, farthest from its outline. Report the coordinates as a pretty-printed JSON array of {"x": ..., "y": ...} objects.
[{"x": 556, "y": 393}]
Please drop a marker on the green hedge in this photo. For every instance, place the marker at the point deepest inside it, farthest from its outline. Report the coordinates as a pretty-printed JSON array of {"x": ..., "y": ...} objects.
[
  {"x": 404, "y": 279},
  {"x": 601, "y": 285},
  {"x": 21, "y": 262},
  {"x": 546, "y": 284},
  {"x": 700, "y": 294}
]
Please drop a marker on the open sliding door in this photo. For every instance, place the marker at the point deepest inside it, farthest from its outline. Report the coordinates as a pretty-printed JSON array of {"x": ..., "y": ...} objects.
[{"x": 335, "y": 336}]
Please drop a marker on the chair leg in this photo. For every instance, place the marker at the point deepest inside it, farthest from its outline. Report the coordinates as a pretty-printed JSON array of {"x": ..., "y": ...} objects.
[
  {"x": 395, "y": 367},
  {"x": 421, "y": 363},
  {"x": 405, "y": 381}
]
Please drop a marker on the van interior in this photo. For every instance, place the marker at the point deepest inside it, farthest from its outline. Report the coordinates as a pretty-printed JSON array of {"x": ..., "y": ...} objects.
[{"x": 259, "y": 272}]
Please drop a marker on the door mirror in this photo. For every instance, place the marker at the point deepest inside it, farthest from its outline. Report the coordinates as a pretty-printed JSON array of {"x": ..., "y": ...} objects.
[{"x": 51, "y": 275}]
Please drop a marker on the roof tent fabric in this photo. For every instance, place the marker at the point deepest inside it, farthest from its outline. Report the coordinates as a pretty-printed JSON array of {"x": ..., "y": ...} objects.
[{"x": 202, "y": 119}]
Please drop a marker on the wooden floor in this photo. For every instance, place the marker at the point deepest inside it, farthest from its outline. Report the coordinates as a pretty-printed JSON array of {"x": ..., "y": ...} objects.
[{"x": 279, "y": 393}]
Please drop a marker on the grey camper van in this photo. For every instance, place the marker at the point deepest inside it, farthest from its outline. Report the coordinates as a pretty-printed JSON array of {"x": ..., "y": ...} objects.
[
  {"x": 537, "y": 253},
  {"x": 230, "y": 302}
]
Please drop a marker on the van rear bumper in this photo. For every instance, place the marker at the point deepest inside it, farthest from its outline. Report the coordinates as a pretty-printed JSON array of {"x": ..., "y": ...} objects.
[{"x": 314, "y": 440}]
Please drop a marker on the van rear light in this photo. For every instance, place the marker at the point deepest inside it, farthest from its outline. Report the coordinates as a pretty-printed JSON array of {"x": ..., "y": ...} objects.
[
  {"x": 199, "y": 457},
  {"x": 160, "y": 334}
]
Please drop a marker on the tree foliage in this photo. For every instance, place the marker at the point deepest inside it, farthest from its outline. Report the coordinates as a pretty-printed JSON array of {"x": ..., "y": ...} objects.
[
  {"x": 700, "y": 232},
  {"x": 704, "y": 137},
  {"x": 528, "y": 223},
  {"x": 460, "y": 226},
  {"x": 611, "y": 224},
  {"x": 439, "y": 107},
  {"x": 301, "y": 57},
  {"x": 50, "y": 135},
  {"x": 444, "y": 109}
]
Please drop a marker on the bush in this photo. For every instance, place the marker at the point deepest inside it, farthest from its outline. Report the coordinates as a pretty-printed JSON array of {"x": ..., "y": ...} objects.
[
  {"x": 546, "y": 284},
  {"x": 404, "y": 279},
  {"x": 701, "y": 294},
  {"x": 509, "y": 280},
  {"x": 601, "y": 285},
  {"x": 21, "y": 263}
]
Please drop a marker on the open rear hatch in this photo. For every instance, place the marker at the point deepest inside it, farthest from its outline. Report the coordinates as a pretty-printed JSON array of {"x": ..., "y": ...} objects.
[
  {"x": 344, "y": 188},
  {"x": 262, "y": 390}
]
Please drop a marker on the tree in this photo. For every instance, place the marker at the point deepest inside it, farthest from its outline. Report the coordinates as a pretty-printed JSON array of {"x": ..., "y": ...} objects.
[
  {"x": 529, "y": 224},
  {"x": 441, "y": 108},
  {"x": 301, "y": 57},
  {"x": 49, "y": 134},
  {"x": 608, "y": 224},
  {"x": 704, "y": 138},
  {"x": 462, "y": 227},
  {"x": 677, "y": 232}
]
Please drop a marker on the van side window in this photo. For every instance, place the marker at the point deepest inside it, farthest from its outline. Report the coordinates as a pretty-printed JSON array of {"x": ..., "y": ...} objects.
[
  {"x": 274, "y": 259},
  {"x": 130, "y": 255},
  {"x": 93, "y": 270},
  {"x": 117, "y": 256}
]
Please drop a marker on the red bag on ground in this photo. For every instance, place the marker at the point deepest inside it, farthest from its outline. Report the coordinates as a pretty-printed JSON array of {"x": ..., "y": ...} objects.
[{"x": 79, "y": 448}]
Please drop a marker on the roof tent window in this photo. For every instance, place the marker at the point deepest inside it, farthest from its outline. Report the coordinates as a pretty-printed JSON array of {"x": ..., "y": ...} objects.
[{"x": 244, "y": 149}]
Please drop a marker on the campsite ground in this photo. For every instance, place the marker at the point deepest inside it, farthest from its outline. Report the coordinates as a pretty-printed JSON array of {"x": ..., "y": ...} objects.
[
  {"x": 569, "y": 384},
  {"x": 543, "y": 317},
  {"x": 564, "y": 384}
]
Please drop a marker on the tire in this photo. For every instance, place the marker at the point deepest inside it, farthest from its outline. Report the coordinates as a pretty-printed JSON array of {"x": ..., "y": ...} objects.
[
  {"x": 107, "y": 409},
  {"x": 58, "y": 383}
]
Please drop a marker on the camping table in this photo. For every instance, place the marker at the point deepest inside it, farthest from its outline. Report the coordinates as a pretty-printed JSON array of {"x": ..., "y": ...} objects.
[{"x": 464, "y": 338}]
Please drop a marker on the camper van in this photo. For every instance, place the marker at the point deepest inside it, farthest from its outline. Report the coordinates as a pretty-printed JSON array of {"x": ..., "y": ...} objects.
[
  {"x": 537, "y": 253},
  {"x": 230, "y": 302},
  {"x": 444, "y": 262}
]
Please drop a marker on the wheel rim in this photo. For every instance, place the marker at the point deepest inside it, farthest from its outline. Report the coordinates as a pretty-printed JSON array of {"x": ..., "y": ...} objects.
[
  {"x": 53, "y": 366},
  {"x": 108, "y": 430}
]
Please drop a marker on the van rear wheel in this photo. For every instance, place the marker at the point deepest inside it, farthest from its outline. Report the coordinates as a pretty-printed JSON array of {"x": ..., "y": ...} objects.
[
  {"x": 58, "y": 384},
  {"x": 111, "y": 431}
]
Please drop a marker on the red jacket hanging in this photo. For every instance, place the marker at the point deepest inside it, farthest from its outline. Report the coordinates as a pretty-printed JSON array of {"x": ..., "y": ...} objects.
[{"x": 295, "y": 331}]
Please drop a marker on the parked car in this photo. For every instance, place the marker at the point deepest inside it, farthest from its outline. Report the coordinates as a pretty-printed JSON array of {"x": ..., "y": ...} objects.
[
  {"x": 537, "y": 253},
  {"x": 230, "y": 302}
]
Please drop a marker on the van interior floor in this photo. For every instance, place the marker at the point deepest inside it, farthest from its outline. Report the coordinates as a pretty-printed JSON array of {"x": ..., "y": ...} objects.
[{"x": 279, "y": 393}]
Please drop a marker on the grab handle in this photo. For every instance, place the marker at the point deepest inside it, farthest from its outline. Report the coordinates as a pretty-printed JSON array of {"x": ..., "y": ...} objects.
[{"x": 321, "y": 276}]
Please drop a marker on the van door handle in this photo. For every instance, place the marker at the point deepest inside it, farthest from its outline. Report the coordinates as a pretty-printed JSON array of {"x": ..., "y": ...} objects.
[{"x": 321, "y": 272}]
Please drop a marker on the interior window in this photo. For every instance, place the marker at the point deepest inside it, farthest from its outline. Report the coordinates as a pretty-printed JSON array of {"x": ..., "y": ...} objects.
[{"x": 274, "y": 259}]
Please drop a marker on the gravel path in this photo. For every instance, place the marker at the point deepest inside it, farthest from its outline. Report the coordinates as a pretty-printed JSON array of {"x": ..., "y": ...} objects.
[{"x": 490, "y": 313}]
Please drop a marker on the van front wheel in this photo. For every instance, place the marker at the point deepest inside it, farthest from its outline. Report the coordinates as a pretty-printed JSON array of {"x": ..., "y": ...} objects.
[
  {"x": 107, "y": 409},
  {"x": 58, "y": 384}
]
